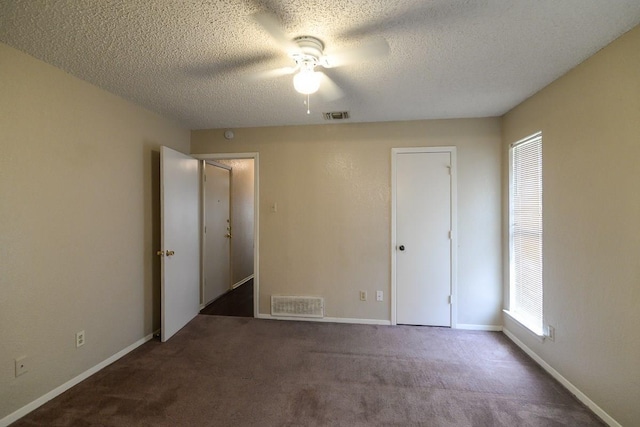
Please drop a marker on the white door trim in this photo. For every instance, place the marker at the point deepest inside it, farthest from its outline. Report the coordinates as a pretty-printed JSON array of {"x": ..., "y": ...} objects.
[
  {"x": 256, "y": 215},
  {"x": 454, "y": 226}
]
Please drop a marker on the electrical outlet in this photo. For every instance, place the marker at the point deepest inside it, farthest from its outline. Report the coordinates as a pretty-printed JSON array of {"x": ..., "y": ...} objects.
[
  {"x": 79, "y": 339},
  {"x": 551, "y": 333},
  {"x": 22, "y": 365},
  {"x": 379, "y": 295},
  {"x": 363, "y": 295}
]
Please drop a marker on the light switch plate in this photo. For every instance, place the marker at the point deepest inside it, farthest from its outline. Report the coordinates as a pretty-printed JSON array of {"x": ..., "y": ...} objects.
[{"x": 22, "y": 365}]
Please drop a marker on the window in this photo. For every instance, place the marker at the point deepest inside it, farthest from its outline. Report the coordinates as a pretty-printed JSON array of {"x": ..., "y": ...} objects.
[{"x": 525, "y": 223}]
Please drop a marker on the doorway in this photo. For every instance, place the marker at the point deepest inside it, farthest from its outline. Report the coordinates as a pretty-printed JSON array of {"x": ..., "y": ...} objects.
[
  {"x": 229, "y": 233},
  {"x": 216, "y": 214},
  {"x": 423, "y": 236},
  {"x": 181, "y": 242}
]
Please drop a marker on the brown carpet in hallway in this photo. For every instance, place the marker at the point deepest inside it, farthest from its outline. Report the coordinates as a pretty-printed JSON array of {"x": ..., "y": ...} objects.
[
  {"x": 232, "y": 371},
  {"x": 237, "y": 302}
]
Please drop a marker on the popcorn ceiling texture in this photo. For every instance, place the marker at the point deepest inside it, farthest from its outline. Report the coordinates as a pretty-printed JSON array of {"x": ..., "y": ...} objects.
[{"x": 193, "y": 61}]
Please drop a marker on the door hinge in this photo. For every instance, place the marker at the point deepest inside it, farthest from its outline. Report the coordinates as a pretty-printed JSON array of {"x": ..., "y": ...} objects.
[
  {"x": 450, "y": 235},
  {"x": 449, "y": 168},
  {"x": 205, "y": 178},
  {"x": 205, "y": 229},
  {"x": 449, "y": 299}
]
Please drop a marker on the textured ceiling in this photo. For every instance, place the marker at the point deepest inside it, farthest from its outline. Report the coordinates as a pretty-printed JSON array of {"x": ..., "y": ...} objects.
[{"x": 193, "y": 61}]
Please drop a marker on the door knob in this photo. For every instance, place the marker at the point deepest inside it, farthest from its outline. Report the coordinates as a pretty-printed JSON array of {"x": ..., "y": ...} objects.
[
  {"x": 160, "y": 253},
  {"x": 401, "y": 247},
  {"x": 170, "y": 253}
]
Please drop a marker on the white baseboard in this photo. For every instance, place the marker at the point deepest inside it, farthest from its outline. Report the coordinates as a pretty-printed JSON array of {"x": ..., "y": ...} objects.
[
  {"x": 328, "y": 319},
  {"x": 242, "y": 282},
  {"x": 496, "y": 328},
  {"x": 565, "y": 382},
  {"x": 15, "y": 416},
  {"x": 471, "y": 327}
]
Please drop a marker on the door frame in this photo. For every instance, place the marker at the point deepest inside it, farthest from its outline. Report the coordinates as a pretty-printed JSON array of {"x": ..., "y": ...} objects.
[
  {"x": 256, "y": 214},
  {"x": 454, "y": 225}
]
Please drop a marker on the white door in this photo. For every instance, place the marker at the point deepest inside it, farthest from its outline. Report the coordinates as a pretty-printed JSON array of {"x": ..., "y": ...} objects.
[
  {"x": 180, "y": 289},
  {"x": 423, "y": 244},
  {"x": 217, "y": 265}
]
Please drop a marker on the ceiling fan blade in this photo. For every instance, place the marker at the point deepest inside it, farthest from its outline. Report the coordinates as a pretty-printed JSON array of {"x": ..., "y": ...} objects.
[
  {"x": 272, "y": 26},
  {"x": 276, "y": 72},
  {"x": 233, "y": 65},
  {"x": 329, "y": 90},
  {"x": 428, "y": 14},
  {"x": 373, "y": 49}
]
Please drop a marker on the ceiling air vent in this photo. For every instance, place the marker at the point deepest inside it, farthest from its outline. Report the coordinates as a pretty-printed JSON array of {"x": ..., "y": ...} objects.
[{"x": 336, "y": 115}]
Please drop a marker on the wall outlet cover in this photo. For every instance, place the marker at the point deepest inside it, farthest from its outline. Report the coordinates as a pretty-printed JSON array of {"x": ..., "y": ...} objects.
[
  {"x": 79, "y": 339},
  {"x": 551, "y": 333}
]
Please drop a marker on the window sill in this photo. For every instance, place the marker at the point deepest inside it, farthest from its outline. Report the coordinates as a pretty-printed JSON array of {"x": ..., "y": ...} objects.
[{"x": 539, "y": 335}]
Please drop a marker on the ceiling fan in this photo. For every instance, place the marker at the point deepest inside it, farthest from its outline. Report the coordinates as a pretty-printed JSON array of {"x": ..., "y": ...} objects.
[{"x": 307, "y": 53}]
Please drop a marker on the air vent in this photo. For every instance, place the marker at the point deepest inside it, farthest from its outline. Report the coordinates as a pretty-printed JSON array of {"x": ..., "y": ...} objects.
[
  {"x": 297, "y": 306},
  {"x": 336, "y": 115}
]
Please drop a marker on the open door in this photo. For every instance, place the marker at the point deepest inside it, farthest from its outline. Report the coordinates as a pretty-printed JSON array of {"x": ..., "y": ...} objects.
[{"x": 180, "y": 252}]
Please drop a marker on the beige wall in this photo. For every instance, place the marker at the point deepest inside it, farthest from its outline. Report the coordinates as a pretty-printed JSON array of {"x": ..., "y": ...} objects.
[
  {"x": 242, "y": 204},
  {"x": 78, "y": 211},
  {"x": 590, "y": 123},
  {"x": 331, "y": 233}
]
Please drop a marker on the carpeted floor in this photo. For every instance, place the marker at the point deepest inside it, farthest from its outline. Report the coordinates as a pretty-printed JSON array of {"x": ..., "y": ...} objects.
[{"x": 233, "y": 371}]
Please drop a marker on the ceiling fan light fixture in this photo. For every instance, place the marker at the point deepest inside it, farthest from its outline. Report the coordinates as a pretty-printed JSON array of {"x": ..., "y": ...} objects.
[{"x": 307, "y": 81}]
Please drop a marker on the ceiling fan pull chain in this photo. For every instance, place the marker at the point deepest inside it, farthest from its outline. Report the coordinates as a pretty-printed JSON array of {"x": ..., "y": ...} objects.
[{"x": 308, "y": 110}]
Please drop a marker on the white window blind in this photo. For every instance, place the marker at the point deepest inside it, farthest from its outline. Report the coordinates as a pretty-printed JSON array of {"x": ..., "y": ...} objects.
[{"x": 526, "y": 233}]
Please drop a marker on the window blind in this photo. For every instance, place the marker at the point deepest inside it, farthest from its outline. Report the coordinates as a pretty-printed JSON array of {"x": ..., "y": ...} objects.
[{"x": 526, "y": 232}]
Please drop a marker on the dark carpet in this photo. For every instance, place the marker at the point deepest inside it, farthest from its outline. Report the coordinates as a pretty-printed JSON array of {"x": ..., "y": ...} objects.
[
  {"x": 233, "y": 371},
  {"x": 237, "y": 302}
]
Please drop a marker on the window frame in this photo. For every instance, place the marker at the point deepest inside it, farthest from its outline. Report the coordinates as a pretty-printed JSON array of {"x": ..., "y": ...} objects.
[{"x": 531, "y": 323}]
